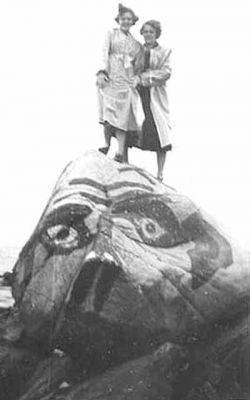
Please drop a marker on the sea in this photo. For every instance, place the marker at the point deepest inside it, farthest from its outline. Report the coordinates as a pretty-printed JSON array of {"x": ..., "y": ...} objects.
[{"x": 8, "y": 257}]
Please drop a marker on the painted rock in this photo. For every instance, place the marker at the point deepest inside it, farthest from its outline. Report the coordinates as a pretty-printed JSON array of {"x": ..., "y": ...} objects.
[{"x": 120, "y": 263}]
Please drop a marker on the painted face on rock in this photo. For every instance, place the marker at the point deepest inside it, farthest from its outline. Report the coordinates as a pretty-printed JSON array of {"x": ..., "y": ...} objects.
[
  {"x": 126, "y": 21},
  {"x": 117, "y": 251}
]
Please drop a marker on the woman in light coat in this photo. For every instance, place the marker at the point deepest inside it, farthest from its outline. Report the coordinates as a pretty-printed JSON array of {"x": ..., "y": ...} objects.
[
  {"x": 153, "y": 91},
  {"x": 118, "y": 98}
]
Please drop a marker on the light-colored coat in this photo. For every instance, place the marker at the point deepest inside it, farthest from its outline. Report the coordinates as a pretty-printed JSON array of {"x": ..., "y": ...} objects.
[
  {"x": 156, "y": 78},
  {"x": 119, "y": 101}
]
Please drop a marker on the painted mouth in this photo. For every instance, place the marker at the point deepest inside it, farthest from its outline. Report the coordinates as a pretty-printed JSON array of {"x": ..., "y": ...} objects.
[
  {"x": 84, "y": 333},
  {"x": 94, "y": 283},
  {"x": 93, "y": 332}
]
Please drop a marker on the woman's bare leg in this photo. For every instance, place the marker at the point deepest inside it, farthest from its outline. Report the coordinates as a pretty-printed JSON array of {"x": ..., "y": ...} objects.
[
  {"x": 125, "y": 153},
  {"x": 121, "y": 141},
  {"x": 107, "y": 138},
  {"x": 107, "y": 135},
  {"x": 161, "y": 159}
]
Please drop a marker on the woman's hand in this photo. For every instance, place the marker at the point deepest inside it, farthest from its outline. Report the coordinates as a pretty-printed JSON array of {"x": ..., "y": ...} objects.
[
  {"x": 145, "y": 79},
  {"x": 101, "y": 80},
  {"x": 135, "y": 81}
]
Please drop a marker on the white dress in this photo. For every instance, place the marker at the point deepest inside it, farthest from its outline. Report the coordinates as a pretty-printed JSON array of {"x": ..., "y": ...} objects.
[{"x": 119, "y": 103}]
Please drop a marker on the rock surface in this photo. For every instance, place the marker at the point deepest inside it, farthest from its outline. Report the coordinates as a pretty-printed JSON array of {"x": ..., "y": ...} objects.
[{"x": 135, "y": 286}]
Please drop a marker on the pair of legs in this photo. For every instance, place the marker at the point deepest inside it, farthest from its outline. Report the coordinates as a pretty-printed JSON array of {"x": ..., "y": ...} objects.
[{"x": 122, "y": 153}]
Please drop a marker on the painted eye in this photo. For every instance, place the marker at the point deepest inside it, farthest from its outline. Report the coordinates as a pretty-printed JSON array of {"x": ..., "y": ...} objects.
[
  {"x": 152, "y": 219},
  {"x": 65, "y": 230},
  {"x": 150, "y": 229},
  {"x": 63, "y": 236}
]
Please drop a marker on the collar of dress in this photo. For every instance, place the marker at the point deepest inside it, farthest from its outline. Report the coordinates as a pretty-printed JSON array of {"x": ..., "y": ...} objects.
[{"x": 156, "y": 44}]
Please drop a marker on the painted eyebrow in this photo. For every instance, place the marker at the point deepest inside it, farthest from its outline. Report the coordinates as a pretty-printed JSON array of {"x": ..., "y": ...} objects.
[
  {"x": 95, "y": 199},
  {"x": 139, "y": 172},
  {"x": 118, "y": 185},
  {"x": 131, "y": 195},
  {"x": 87, "y": 181},
  {"x": 139, "y": 188},
  {"x": 112, "y": 186}
]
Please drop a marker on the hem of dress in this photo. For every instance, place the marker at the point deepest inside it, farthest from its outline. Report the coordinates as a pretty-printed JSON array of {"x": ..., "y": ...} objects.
[
  {"x": 113, "y": 127},
  {"x": 166, "y": 148}
]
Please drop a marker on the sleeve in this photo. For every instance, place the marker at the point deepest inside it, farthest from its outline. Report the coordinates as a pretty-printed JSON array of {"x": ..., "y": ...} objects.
[
  {"x": 104, "y": 67},
  {"x": 158, "y": 76}
]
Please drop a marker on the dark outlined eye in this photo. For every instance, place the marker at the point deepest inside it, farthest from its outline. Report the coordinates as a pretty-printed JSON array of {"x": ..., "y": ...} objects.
[
  {"x": 65, "y": 230},
  {"x": 62, "y": 235},
  {"x": 153, "y": 219}
]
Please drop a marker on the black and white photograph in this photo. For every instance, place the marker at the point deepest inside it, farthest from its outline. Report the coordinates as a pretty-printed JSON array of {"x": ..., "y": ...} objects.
[{"x": 125, "y": 218}]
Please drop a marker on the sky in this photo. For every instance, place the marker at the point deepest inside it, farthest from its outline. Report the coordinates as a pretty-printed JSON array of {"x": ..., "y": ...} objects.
[{"x": 50, "y": 52}]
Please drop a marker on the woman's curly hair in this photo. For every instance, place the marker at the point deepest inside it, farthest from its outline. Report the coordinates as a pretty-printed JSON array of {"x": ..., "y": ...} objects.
[
  {"x": 122, "y": 10},
  {"x": 156, "y": 25}
]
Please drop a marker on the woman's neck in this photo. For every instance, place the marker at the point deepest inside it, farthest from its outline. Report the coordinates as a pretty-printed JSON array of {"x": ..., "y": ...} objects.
[
  {"x": 126, "y": 32},
  {"x": 150, "y": 45}
]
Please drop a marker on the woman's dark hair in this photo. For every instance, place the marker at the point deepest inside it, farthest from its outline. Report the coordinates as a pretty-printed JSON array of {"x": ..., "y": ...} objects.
[
  {"x": 156, "y": 25},
  {"x": 122, "y": 10}
]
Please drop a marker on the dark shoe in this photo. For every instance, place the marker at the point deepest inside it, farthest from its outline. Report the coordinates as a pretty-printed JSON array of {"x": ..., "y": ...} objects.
[
  {"x": 118, "y": 157},
  {"x": 104, "y": 150}
]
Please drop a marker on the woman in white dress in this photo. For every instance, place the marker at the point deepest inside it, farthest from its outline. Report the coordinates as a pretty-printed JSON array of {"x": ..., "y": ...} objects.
[{"x": 119, "y": 101}]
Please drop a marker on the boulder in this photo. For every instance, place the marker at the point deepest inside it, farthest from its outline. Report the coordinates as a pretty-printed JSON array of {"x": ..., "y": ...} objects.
[{"x": 118, "y": 266}]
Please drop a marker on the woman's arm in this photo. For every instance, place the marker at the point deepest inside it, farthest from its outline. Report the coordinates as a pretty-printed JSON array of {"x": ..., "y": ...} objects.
[
  {"x": 103, "y": 72},
  {"x": 158, "y": 76}
]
